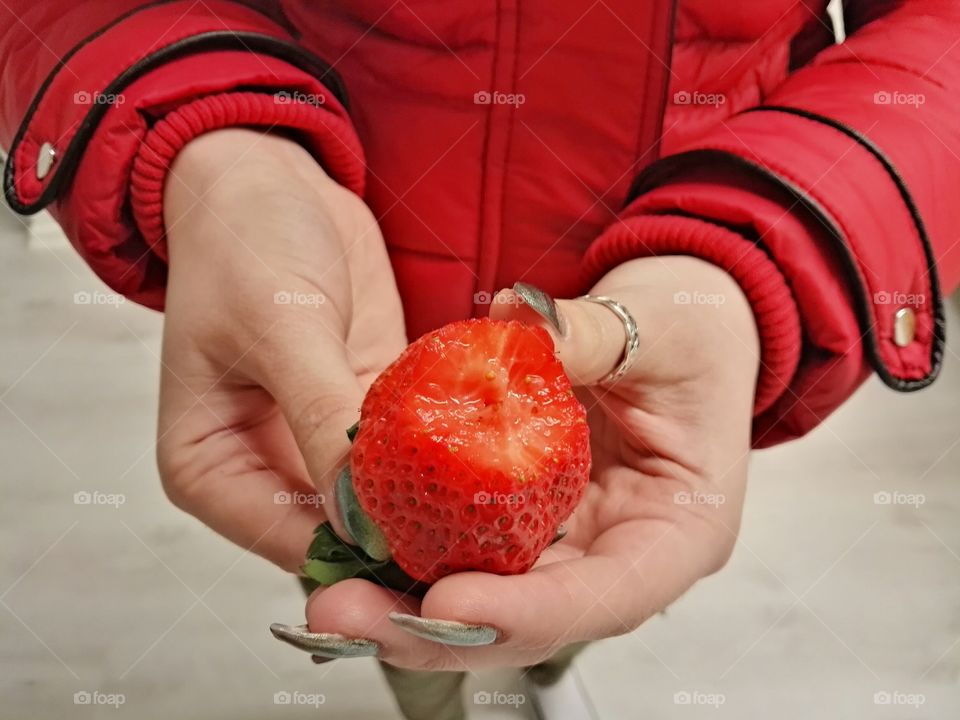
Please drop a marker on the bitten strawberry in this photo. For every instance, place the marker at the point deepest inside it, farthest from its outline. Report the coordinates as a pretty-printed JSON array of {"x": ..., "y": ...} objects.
[{"x": 471, "y": 450}]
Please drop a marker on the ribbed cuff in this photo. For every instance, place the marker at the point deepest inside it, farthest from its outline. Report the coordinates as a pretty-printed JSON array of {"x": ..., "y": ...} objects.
[
  {"x": 329, "y": 138},
  {"x": 774, "y": 308}
]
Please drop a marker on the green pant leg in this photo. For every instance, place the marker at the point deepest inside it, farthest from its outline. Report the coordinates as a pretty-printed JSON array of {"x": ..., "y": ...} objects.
[
  {"x": 549, "y": 671},
  {"x": 426, "y": 694},
  {"x": 421, "y": 694}
]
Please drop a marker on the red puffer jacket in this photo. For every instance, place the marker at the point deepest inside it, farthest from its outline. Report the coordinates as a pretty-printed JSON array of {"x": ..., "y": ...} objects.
[{"x": 544, "y": 142}]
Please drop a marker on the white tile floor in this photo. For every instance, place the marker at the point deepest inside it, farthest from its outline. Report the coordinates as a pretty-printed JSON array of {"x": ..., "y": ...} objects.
[{"x": 829, "y": 599}]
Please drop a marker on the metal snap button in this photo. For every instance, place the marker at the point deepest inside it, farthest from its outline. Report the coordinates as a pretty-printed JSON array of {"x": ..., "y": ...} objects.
[
  {"x": 904, "y": 326},
  {"x": 45, "y": 160}
]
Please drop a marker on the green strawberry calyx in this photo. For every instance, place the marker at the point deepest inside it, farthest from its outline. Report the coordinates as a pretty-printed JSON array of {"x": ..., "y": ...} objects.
[
  {"x": 358, "y": 524},
  {"x": 330, "y": 559}
]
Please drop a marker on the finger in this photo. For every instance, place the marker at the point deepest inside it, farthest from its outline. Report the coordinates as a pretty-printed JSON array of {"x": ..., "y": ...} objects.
[
  {"x": 361, "y": 609},
  {"x": 261, "y": 512},
  {"x": 590, "y": 339},
  {"x": 547, "y": 607},
  {"x": 323, "y": 646},
  {"x": 606, "y": 593},
  {"x": 227, "y": 475},
  {"x": 556, "y": 604},
  {"x": 302, "y": 364}
]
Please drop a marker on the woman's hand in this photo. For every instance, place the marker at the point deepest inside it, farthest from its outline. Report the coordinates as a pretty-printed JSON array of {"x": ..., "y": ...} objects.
[
  {"x": 670, "y": 445},
  {"x": 281, "y": 308}
]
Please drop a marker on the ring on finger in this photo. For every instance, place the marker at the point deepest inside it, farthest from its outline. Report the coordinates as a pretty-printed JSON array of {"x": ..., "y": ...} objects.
[{"x": 632, "y": 345}]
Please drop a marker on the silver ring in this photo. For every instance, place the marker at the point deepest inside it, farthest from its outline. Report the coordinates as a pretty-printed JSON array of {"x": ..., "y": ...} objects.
[{"x": 632, "y": 346}]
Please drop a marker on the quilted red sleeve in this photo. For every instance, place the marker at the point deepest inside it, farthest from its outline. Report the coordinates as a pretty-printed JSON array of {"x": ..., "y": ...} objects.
[
  {"x": 98, "y": 97},
  {"x": 835, "y": 193}
]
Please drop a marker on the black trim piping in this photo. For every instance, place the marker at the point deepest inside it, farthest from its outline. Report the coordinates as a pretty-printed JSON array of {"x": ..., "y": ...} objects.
[
  {"x": 203, "y": 42},
  {"x": 658, "y": 173},
  {"x": 939, "y": 316}
]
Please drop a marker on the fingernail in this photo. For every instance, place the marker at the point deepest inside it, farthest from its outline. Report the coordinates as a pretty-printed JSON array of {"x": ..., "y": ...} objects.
[
  {"x": 361, "y": 528},
  {"x": 542, "y": 304},
  {"x": 561, "y": 534},
  {"x": 325, "y": 645},
  {"x": 446, "y": 632}
]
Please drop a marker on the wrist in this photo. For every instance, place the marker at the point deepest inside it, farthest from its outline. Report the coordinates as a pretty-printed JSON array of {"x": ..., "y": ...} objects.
[
  {"x": 242, "y": 156},
  {"x": 250, "y": 215},
  {"x": 240, "y": 183}
]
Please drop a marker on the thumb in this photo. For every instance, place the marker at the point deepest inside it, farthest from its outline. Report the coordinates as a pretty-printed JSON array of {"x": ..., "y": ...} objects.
[
  {"x": 306, "y": 371},
  {"x": 590, "y": 339}
]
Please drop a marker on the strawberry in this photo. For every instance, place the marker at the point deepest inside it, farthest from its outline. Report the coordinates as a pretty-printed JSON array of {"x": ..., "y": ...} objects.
[{"x": 471, "y": 450}]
